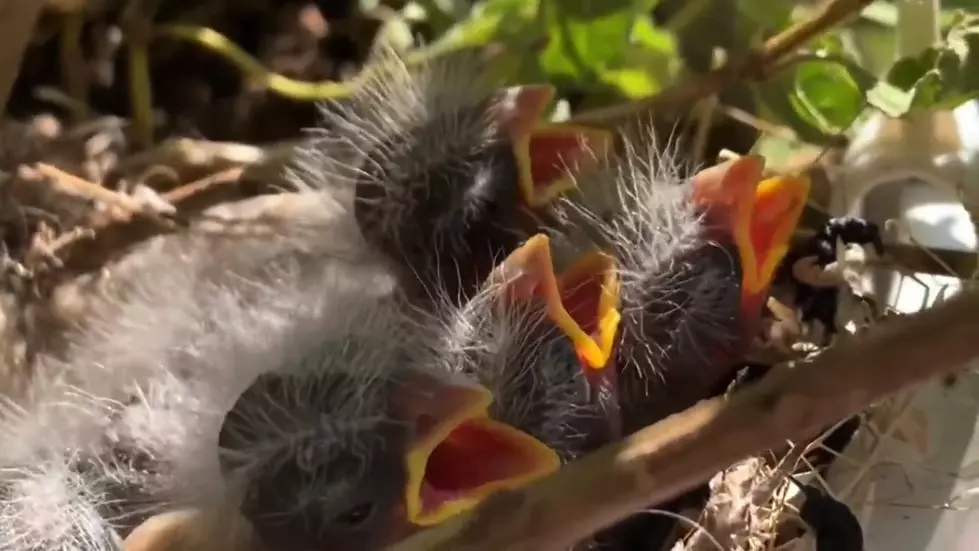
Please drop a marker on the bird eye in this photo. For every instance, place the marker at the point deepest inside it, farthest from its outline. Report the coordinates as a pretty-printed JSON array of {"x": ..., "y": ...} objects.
[{"x": 356, "y": 515}]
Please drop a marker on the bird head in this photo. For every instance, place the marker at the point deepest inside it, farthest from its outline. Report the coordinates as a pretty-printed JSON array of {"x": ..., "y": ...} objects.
[
  {"x": 693, "y": 258},
  {"x": 545, "y": 152},
  {"x": 759, "y": 215},
  {"x": 445, "y": 166},
  {"x": 343, "y": 462},
  {"x": 582, "y": 301},
  {"x": 458, "y": 454}
]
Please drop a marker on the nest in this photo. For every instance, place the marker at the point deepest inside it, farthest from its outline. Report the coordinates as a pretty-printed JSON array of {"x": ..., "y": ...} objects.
[{"x": 80, "y": 200}]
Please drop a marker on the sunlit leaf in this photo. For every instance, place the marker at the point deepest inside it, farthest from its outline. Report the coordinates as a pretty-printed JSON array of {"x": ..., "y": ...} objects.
[
  {"x": 778, "y": 95},
  {"x": 645, "y": 33},
  {"x": 889, "y": 99},
  {"x": 648, "y": 63},
  {"x": 829, "y": 91},
  {"x": 881, "y": 13},
  {"x": 632, "y": 83},
  {"x": 775, "y": 149},
  {"x": 585, "y": 36}
]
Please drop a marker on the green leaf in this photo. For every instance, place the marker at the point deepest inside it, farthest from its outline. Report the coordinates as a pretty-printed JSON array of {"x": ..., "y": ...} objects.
[
  {"x": 928, "y": 92},
  {"x": 889, "y": 99},
  {"x": 933, "y": 79},
  {"x": 878, "y": 93},
  {"x": 864, "y": 79},
  {"x": 969, "y": 55},
  {"x": 828, "y": 91},
  {"x": 779, "y": 151},
  {"x": 645, "y": 33},
  {"x": 585, "y": 36},
  {"x": 881, "y": 13},
  {"x": 778, "y": 95},
  {"x": 488, "y": 21},
  {"x": 647, "y": 64},
  {"x": 769, "y": 15},
  {"x": 906, "y": 72},
  {"x": 632, "y": 83}
]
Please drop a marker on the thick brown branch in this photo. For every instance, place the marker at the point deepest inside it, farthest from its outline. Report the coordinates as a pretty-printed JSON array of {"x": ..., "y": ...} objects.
[
  {"x": 686, "y": 92},
  {"x": 678, "y": 453}
]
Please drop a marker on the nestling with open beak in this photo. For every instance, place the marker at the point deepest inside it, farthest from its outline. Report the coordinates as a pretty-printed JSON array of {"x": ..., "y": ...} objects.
[
  {"x": 517, "y": 338},
  {"x": 278, "y": 377},
  {"x": 447, "y": 168},
  {"x": 695, "y": 259}
]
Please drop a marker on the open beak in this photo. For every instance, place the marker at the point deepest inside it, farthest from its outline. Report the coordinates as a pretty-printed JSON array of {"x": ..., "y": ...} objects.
[
  {"x": 582, "y": 302},
  {"x": 547, "y": 152},
  {"x": 761, "y": 216},
  {"x": 460, "y": 456}
]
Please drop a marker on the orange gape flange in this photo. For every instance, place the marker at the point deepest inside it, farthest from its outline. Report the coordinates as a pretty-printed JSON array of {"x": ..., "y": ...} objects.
[
  {"x": 758, "y": 215},
  {"x": 582, "y": 302}
]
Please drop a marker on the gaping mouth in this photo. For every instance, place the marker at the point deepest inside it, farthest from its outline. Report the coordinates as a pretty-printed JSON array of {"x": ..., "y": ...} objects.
[
  {"x": 761, "y": 217},
  {"x": 547, "y": 152},
  {"x": 550, "y": 152},
  {"x": 589, "y": 293},
  {"x": 465, "y": 457},
  {"x": 765, "y": 225},
  {"x": 582, "y": 302}
]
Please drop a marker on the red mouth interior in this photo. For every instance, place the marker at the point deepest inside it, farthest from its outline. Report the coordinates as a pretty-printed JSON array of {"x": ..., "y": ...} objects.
[
  {"x": 551, "y": 155},
  {"x": 473, "y": 455},
  {"x": 761, "y": 241},
  {"x": 581, "y": 295}
]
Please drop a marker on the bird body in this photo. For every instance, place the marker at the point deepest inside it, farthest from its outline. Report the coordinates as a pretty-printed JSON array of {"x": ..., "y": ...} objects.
[
  {"x": 296, "y": 389},
  {"x": 694, "y": 260},
  {"x": 287, "y": 374},
  {"x": 390, "y": 345}
]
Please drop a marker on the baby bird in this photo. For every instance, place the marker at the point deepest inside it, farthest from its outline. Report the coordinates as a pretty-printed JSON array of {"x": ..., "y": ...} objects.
[
  {"x": 287, "y": 383},
  {"x": 695, "y": 259},
  {"x": 445, "y": 168},
  {"x": 288, "y": 377}
]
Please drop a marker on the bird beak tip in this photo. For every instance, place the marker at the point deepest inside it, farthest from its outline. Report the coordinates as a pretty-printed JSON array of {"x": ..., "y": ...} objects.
[
  {"x": 777, "y": 206},
  {"x": 521, "y": 107},
  {"x": 730, "y": 182},
  {"x": 589, "y": 296},
  {"x": 583, "y": 302}
]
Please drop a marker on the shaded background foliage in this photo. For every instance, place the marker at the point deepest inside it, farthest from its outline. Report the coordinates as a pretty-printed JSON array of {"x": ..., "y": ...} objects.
[{"x": 596, "y": 53}]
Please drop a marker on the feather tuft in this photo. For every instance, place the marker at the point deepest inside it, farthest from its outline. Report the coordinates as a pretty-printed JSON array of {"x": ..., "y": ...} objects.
[
  {"x": 679, "y": 288},
  {"x": 426, "y": 165}
]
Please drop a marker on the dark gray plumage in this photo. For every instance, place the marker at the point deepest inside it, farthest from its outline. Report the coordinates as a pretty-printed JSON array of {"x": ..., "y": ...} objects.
[{"x": 299, "y": 327}]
